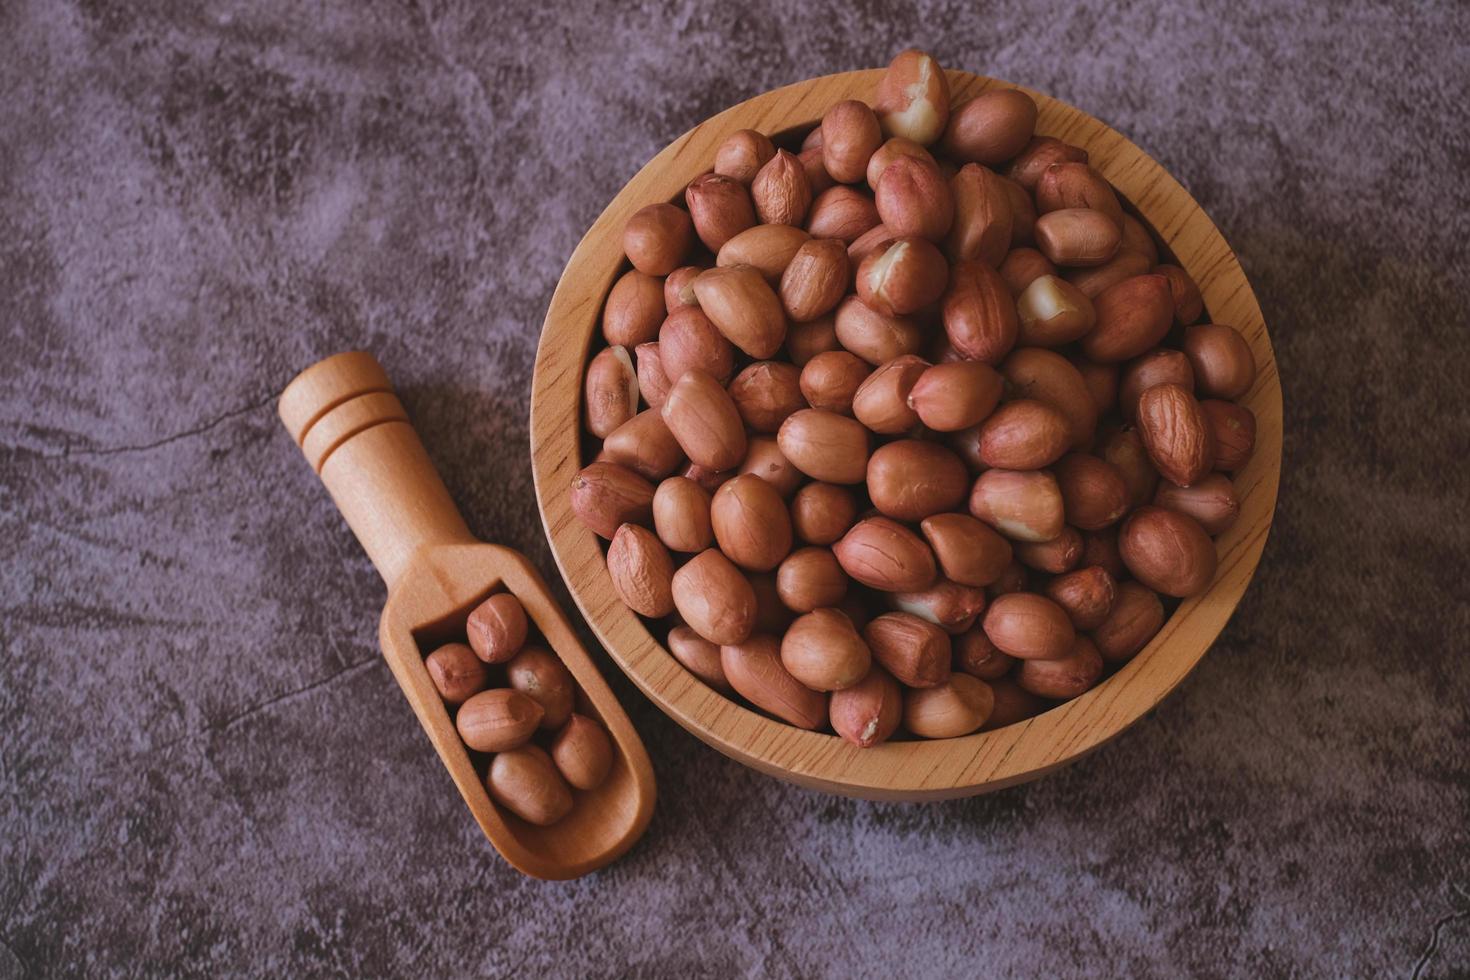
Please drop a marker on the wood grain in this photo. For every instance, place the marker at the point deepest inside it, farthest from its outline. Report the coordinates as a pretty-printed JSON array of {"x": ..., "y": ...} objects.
[
  {"x": 356, "y": 436},
  {"x": 920, "y": 770}
]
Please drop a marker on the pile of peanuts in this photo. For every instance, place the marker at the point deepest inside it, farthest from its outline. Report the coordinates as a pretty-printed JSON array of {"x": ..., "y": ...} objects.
[
  {"x": 908, "y": 429},
  {"x": 535, "y": 697}
]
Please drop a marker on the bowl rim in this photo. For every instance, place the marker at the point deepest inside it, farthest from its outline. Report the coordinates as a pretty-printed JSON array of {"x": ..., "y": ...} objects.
[{"x": 922, "y": 769}]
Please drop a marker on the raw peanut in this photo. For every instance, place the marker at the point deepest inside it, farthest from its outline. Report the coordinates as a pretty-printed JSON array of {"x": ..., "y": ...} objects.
[
  {"x": 715, "y": 600},
  {"x": 867, "y": 713},
  {"x": 1157, "y": 367},
  {"x": 743, "y": 307},
  {"x": 653, "y": 383},
  {"x": 825, "y": 446},
  {"x": 1043, "y": 151},
  {"x": 811, "y": 578},
  {"x": 1094, "y": 280},
  {"x": 689, "y": 341},
  {"x": 1046, "y": 376},
  {"x": 950, "y": 606},
  {"x": 821, "y": 513},
  {"x": 831, "y": 379},
  {"x": 816, "y": 169},
  {"x": 1066, "y": 678},
  {"x": 657, "y": 238},
  {"x": 1167, "y": 551},
  {"x": 681, "y": 515},
  {"x": 913, "y": 199},
  {"x": 816, "y": 280},
  {"x": 1013, "y": 579},
  {"x": 902, "y": 276},
  {"x": 975, "y": 655},
  {"x": 1211, "y": 501},
  {"x": 754, "y": 670},
  {"x": 862, "y": 246},
  {"x": 1101, "y": 381},
  {"x": 679, "y": 287},
  {"x": 1176, "y": 433},
  {"x": 1094, "y": 494},
  {"x": 883, "y": 554},
  {"x": 768, "y": 249},
  {"x": 765, "y": 460},
  {"x": 1022, "y": 435},
  {"x": 1136, "y": 238},
  {"x": 850, "y": 135},
  {"x": 1022, "y": 267},
  {"x": 742, "y": 154},
  {"x": 644, "y": 445},
  {"x": 642, "y": 571},
  {"x": 916, "y": 652},
  {"x": 1101, "y": 548},
  {"x": 1052, "y": 312},
  {"x": 823, "y": 650},
  {"x": 909, "y": 480},
  {"x": 1077, "y": 236},
  {"x": 983, "y": 218},
  {"x": 806, "y": 340},
  {"x": 957, "y": 395},
  {"x": 634, "y": 309},
  {"x": 751, "y": 523},
  {"x": 720, "y": 207},
  {"x": 1232, "y": 431},
  {"x": 957, "y": 707},
  {"x": 968, "y": 551},
  {"x": 781, "y": 191},
  {"x": 979, "y": 313},
  {"x": 771, "y": 614},
  {"x": 1188, "y": 304},
  {"x": 843, "y": 213},
  {"x": 1061, "y": 554},
  {"x": 605, "y": 496},
  {"x": 1132, "y": 317},
  {"x": 703, "y": 419},
  {"x": 881, "y": 401},
  {"x": 611, "y": 391},
  {"x": 497, "y": 720},
  {"x": 765, "y": 393},
  {"x": 1222, "y": 360},
  {"x": 1023, "y": 213},
  {"x": 1024, "y": 506},
  {"x": 1135, "y": 618},
  {"x": 1076, "y": 185},
  {"x": 537, "y": 673},
  {"x": 912, "y": 100},
  {"x": 456, "y": 672},
  {"x": 990, "y": 128},
  {"x": 1029, "y": 626},
  {"x": 876, "y": 337},
  {"x": 1086, "y": 594},
  {"x": 1012, "y": 705},
  {"x": 497, "y": 628},
  {"x": 699, "y": 656},
  {"x": 525, "y": 782},
  {"x": 707, "y": 478},
  {"x": 582, "y": 752},
  {"x": 1125, "y": 450},
  {"x": 891, "y": 151}
]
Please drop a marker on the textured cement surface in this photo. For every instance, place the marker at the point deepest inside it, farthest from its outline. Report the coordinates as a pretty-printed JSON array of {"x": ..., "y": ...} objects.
[{"x": 206, "y": 769}]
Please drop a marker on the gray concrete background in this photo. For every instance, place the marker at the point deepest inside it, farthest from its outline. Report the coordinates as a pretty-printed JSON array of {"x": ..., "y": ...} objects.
[{"x": 206, "y": 769}]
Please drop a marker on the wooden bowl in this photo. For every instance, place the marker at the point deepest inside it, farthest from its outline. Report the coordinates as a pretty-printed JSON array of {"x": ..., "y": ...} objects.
[{"x": 910, "y": 770}]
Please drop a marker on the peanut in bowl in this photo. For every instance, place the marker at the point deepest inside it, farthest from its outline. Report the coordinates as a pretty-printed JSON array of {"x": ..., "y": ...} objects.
[{"x": 853, "y": 526}]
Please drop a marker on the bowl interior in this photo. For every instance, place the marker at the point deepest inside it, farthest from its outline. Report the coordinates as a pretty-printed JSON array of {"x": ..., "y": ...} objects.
[{"x": 903, "y": 770}]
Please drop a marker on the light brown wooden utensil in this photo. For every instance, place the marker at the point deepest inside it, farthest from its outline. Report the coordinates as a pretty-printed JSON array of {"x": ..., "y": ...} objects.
[{"x": 343, "y": 414}]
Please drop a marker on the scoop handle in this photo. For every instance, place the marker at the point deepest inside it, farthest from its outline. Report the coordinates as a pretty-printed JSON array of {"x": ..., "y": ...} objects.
[{"x": 344, "y": 415}]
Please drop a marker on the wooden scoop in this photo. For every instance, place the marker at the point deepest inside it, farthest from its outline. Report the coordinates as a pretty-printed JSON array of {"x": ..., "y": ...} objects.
[{"x": 343, "y": 414}]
